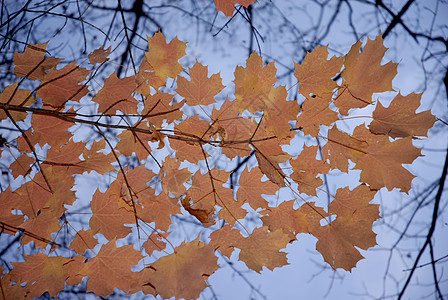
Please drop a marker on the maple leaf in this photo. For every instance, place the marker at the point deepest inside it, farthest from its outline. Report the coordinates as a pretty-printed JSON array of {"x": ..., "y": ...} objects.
[
  {"x": 147, "y": 78},
  {"x": 364, "y": 75},
  {"x": 192, "y": 129},
  {"x": 269, "y": 154},
  {"x": 54, "y": 133},
  {"x": 231, "y": 128},
  {"x": 59, "y": 86},
  {"x": 316, "y": 72},
  {"x": 251, "y": 188},
  {"x": 107, "y": 218},
  {"x": 206, "y": 191},
  {"x": 116, "y": 263},
  {"x": 227, "y": 6},
  {"x": 129, "y": 142},
  {"x": 278, "y": 112},
  {"x": 182, "y": 274},
  {"x": 158, "y": 109},
  {"x": 22, "y": 165},
  {"x": 7, "y": 205},
  {"x": 316, "y": 112},
  {"x": 305, "y": 219},
  {"x": 154, "y": 243},
  {"x": 262, "y": 247},
  {"x": 13, "y": 96},
  {"x": 99, "y": 55},
  {"x": 173, "y": 179},
  {"x": 32, "y": 63},
  {"x": 42, "y": 273},
  {"x": 41, "y": 226},
  {"x": 253, "y": 84},
  {"x": 352, "y": 227},
  {"x": 201, "y": 89},
  {"x": 84, "y": 240},
  {"x": 158, "y": 209},
  {"x": 116, "y": 94},
  {"x": 379, "y": 160},
  {"x": 400, "y": 119},
  {"x": 163, "y": 57},
  {"x": 306, "y": 169}
]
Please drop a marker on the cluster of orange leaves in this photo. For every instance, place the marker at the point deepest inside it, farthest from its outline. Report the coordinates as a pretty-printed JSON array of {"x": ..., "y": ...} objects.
[{"x": 38, "y": 208}]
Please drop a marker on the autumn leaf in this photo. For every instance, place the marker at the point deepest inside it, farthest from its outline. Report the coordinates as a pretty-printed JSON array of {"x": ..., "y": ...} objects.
[
  {"x": 316, "y": 72},
  {"x": 42, "y": 273},
  {"x": 227, "y": 6},
  {"x": 251, "y": 188},
  {"x": 182, "y": 274},
  {"x": 163, "y": 57},
  {"x": 400, "y": 119},
  {"x": 99, "y": 55},
  {"x": 55, "y": 133},
  {"x": 379, "y": 160},
  {"x": 364, "y": 75},
  {"x": 305, "y": 219},
  {"x": 107, "y": 218},
  {"x": 262, "y": 247},
  {"x": 269, "y": 155},
  {"x": 154, "y": 243},
  {"x": 306, "y": 169},
  {"x": 231, "y": 128},
  {"x": 352, "y": 227},
  {"x": 316, "y": 112},
  {"x": 173, "y": 179},
  {"x": 60, "y": 86},
  {"x": 158, "y": 209},
  {"x": 201, "y": 89},
  {"x": 116, "y": 263},
  {"x": 13, "y": 96},
  {"x": 206, "y": 191},
  {"x": 32, "y": 63},
  {"x": 278, "y": 113},
  {"x": 253, "y": 84},
  {"x": 84, "y": 240},
  {"x": 116, "y": 94},
  {"x": 158, "y": 109}
]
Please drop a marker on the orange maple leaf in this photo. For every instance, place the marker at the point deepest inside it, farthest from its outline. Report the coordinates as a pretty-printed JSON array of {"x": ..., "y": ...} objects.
[
  {"x": 316, "y": 72},
  {"x": 182, "y": 274},
  {"x": 261, "y": 249},
  {"x": 116, "y": 94},
  {"x": 200, "y": 90},
  {"x": 42, "y": 273},
  {"x": 84, "y": 240},
  {"x": 305, "y": 219},
  {"x": 306, "y": 169},
  {"x": 364, "y": 75},
  {"x": 253, "y": 84},
  {"x": 13, "y": 96},
  {"x": 251, "y": 188},
  {"x": 32, "y": 63},
  {"x": 173, "y": 179},
  {"x": 227, "y": 6},
  {"x": 107, "y": 218},
  {"x": 99, "y": 55},
  {"x": 163, "y": 57},
  {"x": 379, "y": 160},
  {"x": 400, "y": 119},
  {"x": 352, "y": 227},
  {"x": 232, "y": 129},
  {"x": 60, "y": 86},
  {"x": 316, "y": 112},
  {"x": 116, "y": 263}
]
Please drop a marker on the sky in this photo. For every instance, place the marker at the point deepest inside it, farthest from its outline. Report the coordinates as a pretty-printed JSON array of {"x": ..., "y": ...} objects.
[{"x": 287, "y": 30}]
